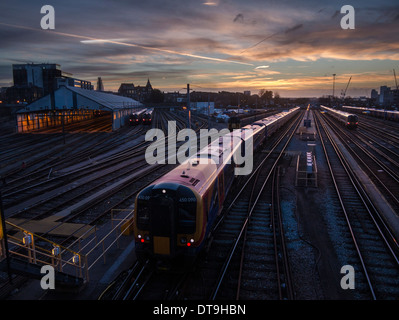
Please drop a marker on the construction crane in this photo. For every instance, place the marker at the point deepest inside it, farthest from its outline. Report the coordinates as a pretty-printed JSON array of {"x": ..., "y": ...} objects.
[
  {"x": 343, "y": 93},
  {"x": 396, "y": 83}
]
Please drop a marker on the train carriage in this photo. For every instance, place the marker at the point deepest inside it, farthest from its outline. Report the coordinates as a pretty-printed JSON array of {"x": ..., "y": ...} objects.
[
  {"x": 349, "y": 120},
  {"x": 174, "y": 215},
  {"x": 392, "y": 115},
  {"x": 147, "y": 117}
]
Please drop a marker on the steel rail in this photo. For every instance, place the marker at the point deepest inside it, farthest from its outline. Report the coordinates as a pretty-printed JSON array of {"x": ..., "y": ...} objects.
[
  {"x": 369, "y": 204},
  {"x": 226, "y": 265},
  {"x": 336, "y": 149}
]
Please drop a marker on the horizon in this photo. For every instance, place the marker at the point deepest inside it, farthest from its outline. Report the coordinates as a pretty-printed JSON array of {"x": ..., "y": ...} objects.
[{"x": 292, "y": 48}]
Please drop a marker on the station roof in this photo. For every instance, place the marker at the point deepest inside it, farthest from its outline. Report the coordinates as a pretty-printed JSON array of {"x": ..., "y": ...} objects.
[{"x": 67, "y": 97}]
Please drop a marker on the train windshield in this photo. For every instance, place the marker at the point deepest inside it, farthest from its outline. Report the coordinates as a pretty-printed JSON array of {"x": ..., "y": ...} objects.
[
  {"x": 162, "y": 216},
  {"x": 143, "y": 214},
  {"x": 352, "y": 118},
  {"x": 166, "y": 211}
]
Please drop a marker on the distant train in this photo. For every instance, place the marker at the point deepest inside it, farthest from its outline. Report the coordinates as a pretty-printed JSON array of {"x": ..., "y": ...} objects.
[
  {"x": 234, "y": 123},
  {"x": 175, "y": 214},
  {"x": 349, "y": 120},
  {"x": 136, "y": 117},
  {"x": 392, "y": 115},
  {"x": 147, "y": 117}
]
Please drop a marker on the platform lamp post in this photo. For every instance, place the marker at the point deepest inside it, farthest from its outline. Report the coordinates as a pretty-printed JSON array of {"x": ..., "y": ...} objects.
[
  {"x": 188, "y": 106},
  {"x": 209, "y": 108},
  {"x": 63, "y": 123},
  {"x": 3, "y": 239}
]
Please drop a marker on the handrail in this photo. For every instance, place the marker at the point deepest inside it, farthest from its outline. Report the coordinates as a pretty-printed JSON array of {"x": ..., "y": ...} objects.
[{"x": 65, "y": 256}]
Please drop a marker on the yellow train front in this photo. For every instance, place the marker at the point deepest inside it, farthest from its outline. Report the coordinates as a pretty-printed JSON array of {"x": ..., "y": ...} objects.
[
  {"x": 175, "y": 214},
  {"x": 167, "y": 226}
]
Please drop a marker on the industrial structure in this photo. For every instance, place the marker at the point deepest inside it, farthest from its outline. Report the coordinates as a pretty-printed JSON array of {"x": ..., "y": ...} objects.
[
  {"x": 35, "y": 80},
  {"x": 70, "y": 104}
]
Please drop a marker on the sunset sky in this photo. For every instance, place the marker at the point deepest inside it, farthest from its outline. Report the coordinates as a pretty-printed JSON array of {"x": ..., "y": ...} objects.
[{"x": 292, "y": 47}]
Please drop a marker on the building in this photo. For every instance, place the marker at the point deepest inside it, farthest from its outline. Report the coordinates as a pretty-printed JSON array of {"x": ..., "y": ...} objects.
[
  {"x": 100, "y": 85},
  {"x": 33, "y": 81},
  {"x": 42, "y": 75},
  {"x": 203, "y": 107},
  {"x": 126, "y": 90},
  {"x": 139, "y": 93},
  {"x": 73, "y": 82},
  {"x": 395, "y": 98},
  {"x": 143, "y": 94},
  {"x": 385, "y": 97},
  {"x": 374, "y": 95}
]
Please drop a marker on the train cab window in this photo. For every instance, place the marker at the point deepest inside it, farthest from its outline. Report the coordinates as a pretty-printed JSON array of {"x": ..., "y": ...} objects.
[
  {"x": 353, "y": 118},
  {"x": 162, "y": 217},
  {"x": 143, "y": 214},
  {"x": 186, "y": 217}
]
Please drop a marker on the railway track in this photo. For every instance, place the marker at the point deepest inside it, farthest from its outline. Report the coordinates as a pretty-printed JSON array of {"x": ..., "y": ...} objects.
[
  {"x": 367, "y": 243},
  {"x": 118, "y": 166},
  {"x": 384, "y": 176},
  {"x": 233, "y": 267},
  {"x": 14, "y": 193},
  {"x": 127, "y": 172},
  {"x": 264, "y": 232},
  {"x": 179, "y": 286},
  {"x": 81, "y": 148}
]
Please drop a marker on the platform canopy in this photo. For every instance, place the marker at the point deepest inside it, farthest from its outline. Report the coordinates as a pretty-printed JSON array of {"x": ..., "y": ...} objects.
[{"x": 67, "y": 97}]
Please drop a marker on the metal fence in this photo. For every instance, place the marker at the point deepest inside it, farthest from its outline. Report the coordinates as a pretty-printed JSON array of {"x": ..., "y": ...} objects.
[{"x": 80, "y": 256}]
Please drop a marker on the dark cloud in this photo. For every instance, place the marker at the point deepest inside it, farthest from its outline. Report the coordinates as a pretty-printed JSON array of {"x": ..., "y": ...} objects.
[
  {"x": 239, "y": 18},
  {"x": 271, "y": 30},
  {"x": 298, "y": 26},
  {"x": 336, "y": 13}
]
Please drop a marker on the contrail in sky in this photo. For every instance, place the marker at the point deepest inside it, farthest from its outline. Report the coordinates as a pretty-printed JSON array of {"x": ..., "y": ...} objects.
[{"x": 86, "y": 39}]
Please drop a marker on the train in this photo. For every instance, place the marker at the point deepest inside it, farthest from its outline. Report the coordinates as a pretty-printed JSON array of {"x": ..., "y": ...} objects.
[
  {"x": 349, "y": 120},
  {"x": 174, "y": 215},
  {"x": 147, "y": 117},
  {"x": 136, "y": 117},
  {"x": 392, "y": 115}
]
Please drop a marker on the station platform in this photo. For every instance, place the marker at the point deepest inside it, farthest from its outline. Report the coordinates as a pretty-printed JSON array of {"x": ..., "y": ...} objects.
[{"x": 306, "y": 168}]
